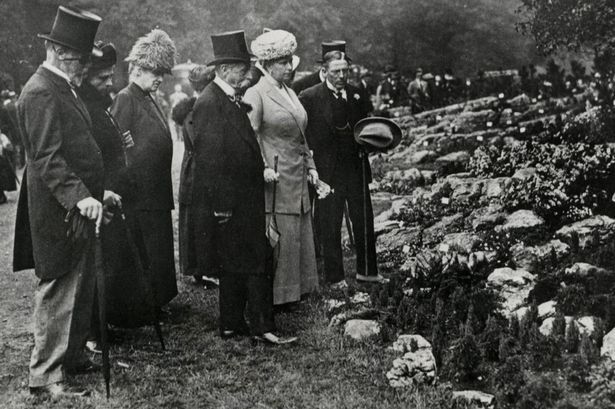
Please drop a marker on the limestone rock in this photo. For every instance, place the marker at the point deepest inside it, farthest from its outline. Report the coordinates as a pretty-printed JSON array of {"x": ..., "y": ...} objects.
[
  {"x": 361, "y": 329},
  {"x": 507, "y": 276},
  {"x": 608, "y": 345},
  {"x": 404, "y": 342},
  {"x": 584, "y": 270},
  {"x": 422, "y": 157},
  {"x": 522, "y": 220},
  {"x": 471, "y": 121},
  {"x": 478, "y": 399},
  {"x": 486, "y": 218},
  {"x": 397, "y": 238},
  {"x": 530, "y": 258},
  {"x": 453, "y": 162},
  {"x": 494, "y": 188},
  {"x": 520, "y": 102},
  {"x": 445, "y": 226},
  {"x": 546, "y": 328},
  {"x": 586, "y": 325},
  {"x": 601, "y": 227},
  {"x": 524, "y": 174},
  {"x": 464, "y": 242},
  {"x": 547, "y": 309}
]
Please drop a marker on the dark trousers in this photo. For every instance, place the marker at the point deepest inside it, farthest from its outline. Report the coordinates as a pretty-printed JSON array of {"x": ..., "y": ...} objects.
[
  {"x": 329, "y": 217},
  {"x": 244, "y": 295}
]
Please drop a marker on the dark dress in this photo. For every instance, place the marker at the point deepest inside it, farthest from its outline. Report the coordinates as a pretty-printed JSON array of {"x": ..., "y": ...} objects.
[{"x": 149, "y": 166}]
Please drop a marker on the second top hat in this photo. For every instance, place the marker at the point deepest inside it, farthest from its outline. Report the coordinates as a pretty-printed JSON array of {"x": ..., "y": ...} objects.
[
  {"x": 75, "y": 29},
  {"x": 336, "y": 45},
  {"x": 230, "y": 47}
]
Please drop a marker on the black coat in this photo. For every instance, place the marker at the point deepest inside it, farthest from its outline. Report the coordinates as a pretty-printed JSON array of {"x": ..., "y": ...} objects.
[
  {"x": 320, "y": 132},
  {"x": 306, "y": 82},
  {"x": 64, "y": 166},
  {"x": 229, "y": 170},
  {"x": 149, "y": 160}
]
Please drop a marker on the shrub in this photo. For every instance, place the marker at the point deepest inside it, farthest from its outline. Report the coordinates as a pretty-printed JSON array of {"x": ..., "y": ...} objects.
[
  {"x": 464, "y": 358},
  {"x": 490, "y": 339},
  {"x": 602, "y": 378},
  {"x": 572, "y": 338},
  {"x": 559, "y": 327},
  {"x": 540, "y": 392},
  {"x": 509, "y": 380},
  {"x": 577, "y": 371},
  {"x": 572, "y": 299}
]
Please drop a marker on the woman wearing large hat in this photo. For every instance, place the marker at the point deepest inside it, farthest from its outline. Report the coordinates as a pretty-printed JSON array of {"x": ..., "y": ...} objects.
[
  {"x": 149, "y": 160},
  {"x": 279, "y": 120}
]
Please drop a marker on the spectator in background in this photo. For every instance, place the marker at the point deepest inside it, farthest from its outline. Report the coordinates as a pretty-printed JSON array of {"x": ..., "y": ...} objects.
[
  {"x": 175, "y": 98},
  {"x": 418, "y": 92},
  {"x": 391, "y": 92},
  {"x": 200, "y": 76}
]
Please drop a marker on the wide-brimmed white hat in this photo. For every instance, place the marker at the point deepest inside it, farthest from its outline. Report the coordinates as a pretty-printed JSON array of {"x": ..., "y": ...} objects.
[{"x": 274, "y": 44}]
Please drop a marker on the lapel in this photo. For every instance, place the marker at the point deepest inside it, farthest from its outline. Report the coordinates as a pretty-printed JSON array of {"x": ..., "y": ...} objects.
[
  {"x": 236, "y": 117},
  {"x": 152, "y": 109},
  {"x": 274, "y": 94},
  {"x": 65, "y": 92}
]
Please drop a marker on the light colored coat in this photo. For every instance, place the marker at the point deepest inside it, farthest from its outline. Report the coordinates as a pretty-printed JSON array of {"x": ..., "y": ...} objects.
[{"x": 280, "y": 128}]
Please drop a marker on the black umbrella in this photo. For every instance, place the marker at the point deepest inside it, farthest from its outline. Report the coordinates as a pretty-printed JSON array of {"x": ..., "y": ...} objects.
[
  {"x": 273, "y": 233},
  {"x": 99, "y": 268}
]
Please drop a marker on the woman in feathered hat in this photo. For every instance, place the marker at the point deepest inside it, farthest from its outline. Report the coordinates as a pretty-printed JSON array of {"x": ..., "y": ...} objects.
[
  {"x": 149, "y": 160},
  {"x": 279, "y": 120}
]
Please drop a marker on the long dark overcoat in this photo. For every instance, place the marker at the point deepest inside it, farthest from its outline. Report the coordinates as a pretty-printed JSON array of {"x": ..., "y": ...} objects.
[
  {"x": 228, "y": 176},
  {"x": 149, "y": 166},
  {"x": 64, "y": 166}
]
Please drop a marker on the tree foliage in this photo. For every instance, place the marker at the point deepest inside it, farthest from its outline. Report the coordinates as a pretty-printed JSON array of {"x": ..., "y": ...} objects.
[{"x": 463, "y": 35}]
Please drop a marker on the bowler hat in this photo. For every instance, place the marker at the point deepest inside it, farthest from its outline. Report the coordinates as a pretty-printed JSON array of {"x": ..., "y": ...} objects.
[
  {"x": 377, "y": 134},
  {"x": 75, "y": 29},
  {"x": 230, "y": 47},
  {"x": 335, "y": 45}
]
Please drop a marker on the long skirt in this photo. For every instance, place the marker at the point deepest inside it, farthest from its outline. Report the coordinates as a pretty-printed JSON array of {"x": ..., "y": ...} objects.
[
  {"x": 156, "y": 228},
  {"x": 296, "y": 272}
]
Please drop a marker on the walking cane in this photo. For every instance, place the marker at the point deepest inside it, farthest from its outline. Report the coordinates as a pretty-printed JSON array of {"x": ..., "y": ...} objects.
[
  {"x": 102, "y": 308},
  {"x": 149, "y": 293},
  {"x": 364, "y": 187}
]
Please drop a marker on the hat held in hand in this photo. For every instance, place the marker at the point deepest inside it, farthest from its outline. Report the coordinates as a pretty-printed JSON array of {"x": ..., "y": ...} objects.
[{"x": 377, "y": 134}]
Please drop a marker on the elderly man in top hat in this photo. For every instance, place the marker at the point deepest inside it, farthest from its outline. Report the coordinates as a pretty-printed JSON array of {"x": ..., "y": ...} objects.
[
  {"x": 228, "y": 195},
  {"x": 333, "y": 108},
  {"x": 317, "y": 77},
  {"x": 64, "y": 181}
]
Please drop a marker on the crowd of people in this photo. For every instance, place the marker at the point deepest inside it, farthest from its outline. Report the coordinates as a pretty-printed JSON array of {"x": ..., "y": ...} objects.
[{"x": 266, "y": 179}]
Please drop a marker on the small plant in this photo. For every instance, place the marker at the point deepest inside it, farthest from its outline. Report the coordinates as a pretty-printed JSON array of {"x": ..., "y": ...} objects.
[{"x": 572, "y": 338}]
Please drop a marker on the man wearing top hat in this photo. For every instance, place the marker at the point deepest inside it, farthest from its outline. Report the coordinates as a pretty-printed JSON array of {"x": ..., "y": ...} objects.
[
  {"x": 64, "y": 180},
  {"x": 229, "y": 196},
  {"x": 333, "y": 108},
  {"x": 317, "y": 77}
]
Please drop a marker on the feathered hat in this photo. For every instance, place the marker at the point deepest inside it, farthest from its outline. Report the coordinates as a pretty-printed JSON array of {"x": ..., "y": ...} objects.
[
  {"x": 274, "y": 44},
  {"x": 154, "y": 52}
]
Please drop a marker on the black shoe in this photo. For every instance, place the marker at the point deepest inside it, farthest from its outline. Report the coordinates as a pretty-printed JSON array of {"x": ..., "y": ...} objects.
[
  {"x": 3, "y": 198},
  {"x": 59, "y": 389},
  {"x": 234, "y": 333}
]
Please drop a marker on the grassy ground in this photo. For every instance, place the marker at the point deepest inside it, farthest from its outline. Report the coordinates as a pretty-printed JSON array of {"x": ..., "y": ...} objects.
[{"x": 199, "y": 370}]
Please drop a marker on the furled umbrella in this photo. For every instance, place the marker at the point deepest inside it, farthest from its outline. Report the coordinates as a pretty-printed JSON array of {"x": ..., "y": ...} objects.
[
  {"x": 99, "y": 268},
  {"x": 273, "y": 233}
]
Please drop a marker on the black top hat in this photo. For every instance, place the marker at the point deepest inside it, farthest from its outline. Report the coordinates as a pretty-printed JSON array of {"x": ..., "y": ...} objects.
[
  {"x": 75, "y": 29},
  {"x": 377, "y": 134},
  {"x": 335, "y": 45},
  {"x": 230, "y": 47}
]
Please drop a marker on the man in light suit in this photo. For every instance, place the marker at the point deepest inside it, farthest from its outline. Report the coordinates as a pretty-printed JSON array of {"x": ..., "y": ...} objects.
[{"x": 64, "y": 180}]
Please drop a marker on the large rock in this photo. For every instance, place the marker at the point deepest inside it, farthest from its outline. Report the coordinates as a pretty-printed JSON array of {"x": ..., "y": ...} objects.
[
  {"x": 416, "y": 367},
  {"x": 546, "y": 328},
  {"x": 524, "y": 174},
  {"x": 422, "y": 157},
  {"x": 361, "y": 329},
  {"x": 397, "y": 238},
  {"x": 471, "y": 121},
  {"x": 520, "y": 102},
  {"x": 495, "y": 188},
  {"x": 608, "y": 345},
  {"x": 464, "y": 242},
  {"x": 598, "y": 227},
  {"x": 521, "y": 221},
  {"x": 508, "y": 277},
  {"x": 486, "y": 218},
  {"x": 446, "y": 225},
  {"x": 453, "y": 162},
  {"x": 584, "y": 270},
  {"x": 531, "y": 258},
  {"x": 478, "y": 399}
]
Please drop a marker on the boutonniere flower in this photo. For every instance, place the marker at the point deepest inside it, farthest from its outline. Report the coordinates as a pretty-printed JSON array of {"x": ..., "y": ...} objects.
[{"x": 357, "y": 97}]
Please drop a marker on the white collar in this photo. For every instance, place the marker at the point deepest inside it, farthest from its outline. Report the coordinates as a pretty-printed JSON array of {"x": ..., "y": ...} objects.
[
  {"x": 335, "y": 90},
  {"x": 57, "y": 72},
  {"x": 228, "y": 90}
]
